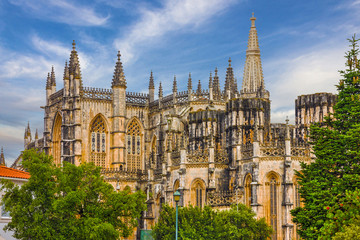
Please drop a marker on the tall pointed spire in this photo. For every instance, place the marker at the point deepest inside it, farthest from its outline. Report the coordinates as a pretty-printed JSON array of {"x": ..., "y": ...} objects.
[
  {"x": 216, "y": 84},
  {"x": 151, "y": 81},
  {"x": 174, "y": 85},
  {"x": 210, "y": 81},
  {"x": 160, "y": 91},
  {"x": 189, "y": 86},
  {"x": 253, "y": 81},
  {"x": 199, "y": 90},
  {"x": 48, "y": 82},
  {"x": 52, "y": 76},
  {"x": 229, "y": 80},
  {"x": 74, "y": 59},
  {"x": 2, "y": 157},
  {"x": 119, "y": 76}
]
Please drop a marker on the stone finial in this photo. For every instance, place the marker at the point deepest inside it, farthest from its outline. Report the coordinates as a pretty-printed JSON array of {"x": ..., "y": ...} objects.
[
  {"x": 210, "y": 80},
  {"x": 66, "y": 71},
  {"x": 119, "y": 76},
  {"x": 174, "y": 85},
  {"x": 287, "y": 128},
  {"x": 199, "y": 90},
  {"x": 252, "y": 19},
  {"x": 189, "y": 86},
  {"x": 36, "y": 135},
  {"x": 151, "y": 81},
  {"x": 48, "y": 82},
  {"x": 160, "y": 91},
  {"x": 52, "y": 76},
  {"x": 229, "y": 80}
]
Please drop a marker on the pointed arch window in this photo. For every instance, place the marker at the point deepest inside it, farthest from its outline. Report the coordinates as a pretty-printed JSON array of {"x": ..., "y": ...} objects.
[
  {"x": 57, "y": 140},
  {"x": 98, "y": 142},
  {"x": 134, "y": 146},
  {"x": 198, "y": 193},
  {"x": 247, "y": 184},
  {"x": 273, "y": 206}
]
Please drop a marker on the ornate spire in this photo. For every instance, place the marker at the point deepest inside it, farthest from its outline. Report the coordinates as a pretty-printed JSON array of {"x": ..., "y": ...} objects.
[
  {"x": 189, "y": 86},
  {"x": 36, "y": 135},
  {"x": 210, "y": 81},
  {"x": 52, "y": 76},
  {"x": 2, "y": 158},
  {"x": 174, "y": 85},
  {"x": 48, "y": 82},
  {"x": 253, "y": 81},
  {"x": 198, "y": 91},
  {"x": 151, "y": 81},
  {"x": 66, "y": 71},
  {"x": 119, "y": 76},
  {"x": 27, "y": 131},
  {"x": 74, "y": 60},
  {"x": 160, "y": 91},
  {"x": 229, "y": 80},
  {"x": 216, "y": 83}
]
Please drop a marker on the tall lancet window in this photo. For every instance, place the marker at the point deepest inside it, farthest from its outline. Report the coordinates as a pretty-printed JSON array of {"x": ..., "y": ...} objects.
[
  {"x": 133, "y": 145},
  {"x": 98, "y": 142},
  {"x": 273, "y": 206},
  {"x": 247, "y": 184},
  {"x": 56, "y": 139},
  {"x": 198, "y": 193}
]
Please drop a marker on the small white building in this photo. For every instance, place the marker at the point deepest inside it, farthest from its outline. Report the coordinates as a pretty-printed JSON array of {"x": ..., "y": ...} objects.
[{"x": 18, "y": 177}]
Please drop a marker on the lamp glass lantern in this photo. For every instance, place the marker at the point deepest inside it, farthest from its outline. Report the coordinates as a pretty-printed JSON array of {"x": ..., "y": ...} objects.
[{"x": 177, "y": 196}]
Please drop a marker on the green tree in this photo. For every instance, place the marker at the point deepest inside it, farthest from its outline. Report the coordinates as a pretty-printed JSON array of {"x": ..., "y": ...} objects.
[
  {"x": 343, "y": 220},
  {"x": 336, "y": 146},
  {"x": 69, "y": 202},
  {"x": 196, "y": 223}
]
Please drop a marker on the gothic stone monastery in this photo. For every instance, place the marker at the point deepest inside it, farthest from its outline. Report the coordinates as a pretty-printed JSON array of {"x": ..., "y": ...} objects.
[{"x": 217, "y": 147}]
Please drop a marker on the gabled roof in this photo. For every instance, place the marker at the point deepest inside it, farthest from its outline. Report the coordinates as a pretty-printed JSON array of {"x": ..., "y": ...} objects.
[{"x": 13, "y": 173}]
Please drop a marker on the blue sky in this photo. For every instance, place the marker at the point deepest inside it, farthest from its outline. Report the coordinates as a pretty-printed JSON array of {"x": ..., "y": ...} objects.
[{"x": 302, "y": 47}]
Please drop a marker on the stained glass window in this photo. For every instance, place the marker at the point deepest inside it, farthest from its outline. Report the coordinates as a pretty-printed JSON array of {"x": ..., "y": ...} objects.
[
  {"x": 98, "y": 142},
  {"x": 134, "y": 145}
]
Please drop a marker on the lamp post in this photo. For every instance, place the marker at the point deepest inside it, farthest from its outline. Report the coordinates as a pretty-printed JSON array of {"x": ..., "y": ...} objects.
[{"x": 176, "y": 199}]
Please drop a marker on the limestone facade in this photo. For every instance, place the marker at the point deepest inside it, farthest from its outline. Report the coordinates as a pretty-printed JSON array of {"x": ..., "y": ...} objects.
[{"x": 217, "y": 147}]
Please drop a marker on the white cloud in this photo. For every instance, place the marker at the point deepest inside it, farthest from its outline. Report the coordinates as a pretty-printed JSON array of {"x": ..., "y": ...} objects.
[
  {"x": 312, "y": 71},
  {"x": 62, "y": 11},
  {"x": 175, "y": 15}
]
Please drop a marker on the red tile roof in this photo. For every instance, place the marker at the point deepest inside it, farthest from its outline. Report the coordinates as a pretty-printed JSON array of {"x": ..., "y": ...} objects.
[{"x": 13, "y": 173}]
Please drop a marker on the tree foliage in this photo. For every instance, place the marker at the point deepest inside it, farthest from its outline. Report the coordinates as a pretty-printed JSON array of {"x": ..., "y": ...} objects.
[
  {"x": 336, "y": 145},
  {"x": 196, "y": 223},
  {"x": 69, "y": 202}
]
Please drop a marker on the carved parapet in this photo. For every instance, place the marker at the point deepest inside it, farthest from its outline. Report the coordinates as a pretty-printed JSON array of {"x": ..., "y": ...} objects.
[
  {"x": 272, "y": 149},
  {"x": 221, "y": 156},
  {"x": 182, "y": 97},
  {"x": 96, "y": 93},
  {"x": 224, "y": 198},
  {"x": 198, "y": 156},
  {"x": 137, "y": 99}
]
